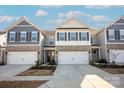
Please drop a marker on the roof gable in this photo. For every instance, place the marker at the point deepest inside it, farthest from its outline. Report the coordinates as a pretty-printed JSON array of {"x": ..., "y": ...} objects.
[
  {"x": 73, "y": 23},
  {"x": 24, "y": 23},
  {"x": 121, "y": 20}
]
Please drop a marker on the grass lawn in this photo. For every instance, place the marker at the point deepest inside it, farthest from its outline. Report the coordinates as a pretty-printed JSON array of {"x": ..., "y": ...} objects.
[
  {"x": 21, "y": 84},
  {"x": 37, "y": 72}
]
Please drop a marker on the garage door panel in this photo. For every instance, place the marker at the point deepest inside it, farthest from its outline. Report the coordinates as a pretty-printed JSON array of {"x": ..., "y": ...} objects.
[
  {"x": 65, "y": 57},
  {"x": 21, "y": 57},
  {"x": 119, "y": 56}
]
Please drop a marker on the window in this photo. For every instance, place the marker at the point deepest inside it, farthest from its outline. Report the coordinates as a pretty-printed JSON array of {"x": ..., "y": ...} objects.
[
  {"x": 62, "y": 36},
  {"x": 121, "y": 34},
  {"x": 34, "y": 36},
  {"x": 111, "y": 35},
  {"x": 84, "y": 36},
  {"x": 12, "y": 37},
  {"x": 73, "y": 36},
  {"x": 23, "y": 37}
]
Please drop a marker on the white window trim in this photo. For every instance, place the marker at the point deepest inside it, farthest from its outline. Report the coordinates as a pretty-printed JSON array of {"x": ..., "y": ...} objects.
[
  {"x": 31, "y": 36},
  {"x": 70, "y": 36},
  {"x": 120, "y": 34},
  {"x": 21, "y": 37},
  {"x": 86, "y": 36},
  {"x": 10, "y": 37},
  {"x": 64, "y": 36},
  {"x": 111, "y": 31}
]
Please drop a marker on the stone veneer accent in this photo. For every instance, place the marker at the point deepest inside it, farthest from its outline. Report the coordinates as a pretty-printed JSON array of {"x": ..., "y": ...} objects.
[
  {"x": 22, "y": 48},
  {"x": 115, "y": 46},
  {"x": 73, "y": 48}
]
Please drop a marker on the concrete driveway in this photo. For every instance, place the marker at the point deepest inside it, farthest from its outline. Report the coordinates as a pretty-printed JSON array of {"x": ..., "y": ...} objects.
[
  {"x": 9, "y": 71},
  {"x": 73, "y": 76}
]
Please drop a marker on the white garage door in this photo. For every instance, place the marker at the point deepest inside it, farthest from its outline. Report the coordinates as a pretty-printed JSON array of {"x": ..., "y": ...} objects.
[
  {"x": 117, "y": 55},
  {"x": 21, "y": 57},
  {"x": 72, "y": 57}
]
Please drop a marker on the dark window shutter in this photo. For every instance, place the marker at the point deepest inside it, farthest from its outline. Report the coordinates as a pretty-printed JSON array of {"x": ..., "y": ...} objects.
[
  {"x": 8, "y": 34},
  {"x": 68, "y": 36},
  {"x": 107, "y": 34},
  {"x": 30, "y": 35},
  {"x": 80, "y": 36},
  {"x": 26, "y": 36},
  {"x": 88, "y": 36},
  {"x": 16, "y": 36},
  {"x": 91, "y": 39},
  {"x": 76, "y": 36},
  {"x": 65, "y": 36},
  {"x": 38, "y": 35},
  {"x": 57, "y": 36},
  {"x": 118, "y": 35}
]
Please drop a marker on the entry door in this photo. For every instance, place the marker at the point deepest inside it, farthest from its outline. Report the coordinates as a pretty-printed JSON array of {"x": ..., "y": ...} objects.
[{"x": 95, "y": 54}]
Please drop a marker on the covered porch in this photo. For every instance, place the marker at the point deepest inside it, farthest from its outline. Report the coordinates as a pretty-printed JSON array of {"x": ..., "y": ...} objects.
[{"x": 49, "y": 54}]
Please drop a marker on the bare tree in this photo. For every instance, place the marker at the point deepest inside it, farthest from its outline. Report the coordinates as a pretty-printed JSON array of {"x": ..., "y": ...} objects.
[{"x": 114, "y": 56}]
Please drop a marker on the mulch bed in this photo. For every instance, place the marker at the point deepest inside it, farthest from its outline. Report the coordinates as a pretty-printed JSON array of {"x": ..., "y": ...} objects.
[
  {"x": 37, "y": 72},
  {"x": 117, "y": 69},
  {"x": 114, "y": 70},
  {"x": 21, "y": 84}
]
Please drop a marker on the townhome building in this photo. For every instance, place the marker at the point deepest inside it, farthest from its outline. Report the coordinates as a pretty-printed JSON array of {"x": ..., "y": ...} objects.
[
  {"x": 71, "y": 43},
  {"x": 111, "y": 41},
  {"x": 24, "y": 42}
]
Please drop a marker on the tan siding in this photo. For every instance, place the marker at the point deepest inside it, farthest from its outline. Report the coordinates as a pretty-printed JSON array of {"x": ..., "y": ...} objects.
[
  {"x": 22, "y": 48},
  {"x": 72, "y": 48},
  {"x": 115, "y": 46}
]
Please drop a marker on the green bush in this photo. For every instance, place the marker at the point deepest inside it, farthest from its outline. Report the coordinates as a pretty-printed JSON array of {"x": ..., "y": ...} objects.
[
  {"x": 52, "y": 63},
  {"x": 92, "y": 62},
  {"x": 38, "y": 63}
]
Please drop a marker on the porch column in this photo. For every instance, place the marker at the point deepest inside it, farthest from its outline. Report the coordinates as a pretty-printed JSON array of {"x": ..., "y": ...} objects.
[
  {"x": 44, "y": 56},
  {"x": 99, "y": 54}
]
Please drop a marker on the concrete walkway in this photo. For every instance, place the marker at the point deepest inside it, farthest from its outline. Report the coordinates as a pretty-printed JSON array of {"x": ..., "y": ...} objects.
[
  {"x": 77, "y": 76},
  {"x": 9, "y": 72}
]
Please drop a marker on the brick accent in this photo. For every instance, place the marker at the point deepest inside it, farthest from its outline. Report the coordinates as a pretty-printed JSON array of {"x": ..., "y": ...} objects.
[
  {"x": 115, "y": 46},
  {"x": 73, "y": 48},
  {"x": 22, "y": 48}
]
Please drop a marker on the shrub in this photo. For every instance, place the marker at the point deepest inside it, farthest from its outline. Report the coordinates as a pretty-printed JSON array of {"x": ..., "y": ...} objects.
[
  {"x": 102, "y": 62},
  {"x": 52, "y": 63},
  {"x": 38, "y": 63},
  {"x": 92, "y": 62}
]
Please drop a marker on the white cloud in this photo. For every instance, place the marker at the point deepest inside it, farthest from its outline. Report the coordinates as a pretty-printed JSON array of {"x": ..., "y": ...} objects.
[
  {"x": 96, "y": 18},
  {"x": 102, "y": 6},
  {"x": 4, "y": 19},
  {"x": 93, "y": 20},
  {"x": 72, "y": 14},
  {"x": 99, "y": 18},
  {"x": 41, "y": 13}
]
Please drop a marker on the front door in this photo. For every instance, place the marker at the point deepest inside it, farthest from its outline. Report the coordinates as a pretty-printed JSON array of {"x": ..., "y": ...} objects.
[
  {"x": 50, "y": 56},
  {"x": 95, "y": 54}
]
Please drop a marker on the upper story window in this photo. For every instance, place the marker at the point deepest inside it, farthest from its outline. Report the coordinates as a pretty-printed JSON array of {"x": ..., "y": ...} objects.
[
  {"x": 23, "y": 37},
  {"x": 121, "y": 34},
  {"x": 72, "y": 36},
  {"x": 12, "y": 37},
  {"x": 34, "y": 36},
  {"x": 61, "y": 36},
  {"x": 111, "y": 35},
  {"x": 84, "y": 36}
]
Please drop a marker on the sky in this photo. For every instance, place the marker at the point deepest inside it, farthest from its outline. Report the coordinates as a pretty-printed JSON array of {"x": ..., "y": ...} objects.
[{"x": 49, "y": 17}]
